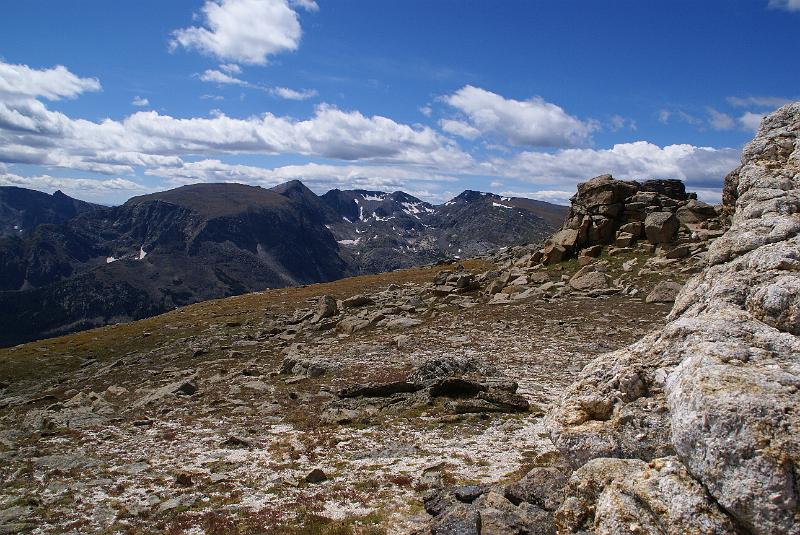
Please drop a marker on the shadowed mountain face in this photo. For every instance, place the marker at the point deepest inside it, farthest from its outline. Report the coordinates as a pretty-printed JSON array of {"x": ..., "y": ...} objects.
[
  {"x": 205, "y": 241},
  {"x": 23, "y": 209}
]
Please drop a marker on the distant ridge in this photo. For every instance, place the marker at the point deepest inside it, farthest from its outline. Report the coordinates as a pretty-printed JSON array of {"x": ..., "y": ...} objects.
[{"x": 92, "y": 265}]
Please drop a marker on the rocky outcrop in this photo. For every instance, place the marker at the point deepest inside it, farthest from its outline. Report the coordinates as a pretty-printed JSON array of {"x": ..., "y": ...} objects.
[
  {"x": 710, "y": 402},
  {"x": 468, "y": 386},
  {"x": 618, "y": 213}
]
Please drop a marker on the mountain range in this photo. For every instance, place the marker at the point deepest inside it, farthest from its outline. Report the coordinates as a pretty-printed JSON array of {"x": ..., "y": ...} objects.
[{"x": 68, "y": 265}]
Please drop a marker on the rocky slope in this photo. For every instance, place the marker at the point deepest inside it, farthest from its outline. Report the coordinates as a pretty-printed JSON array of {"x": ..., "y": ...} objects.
[
  {"x": 470, "y": 399},
  {"x": 206, "y": 241},
  {"x": 708, "y": 404},
  {"x": 694, "y": 428},
  {"x": 403, "y": 402}
]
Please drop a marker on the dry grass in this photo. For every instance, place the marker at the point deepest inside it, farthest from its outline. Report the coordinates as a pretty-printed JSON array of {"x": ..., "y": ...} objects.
[{"x": 106, "y": 344}]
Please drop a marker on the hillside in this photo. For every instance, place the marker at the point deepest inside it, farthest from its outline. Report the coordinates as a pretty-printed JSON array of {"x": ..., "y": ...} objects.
[
  {"x": 206, "y": 241},
  {"x": 426, "y": 400}
]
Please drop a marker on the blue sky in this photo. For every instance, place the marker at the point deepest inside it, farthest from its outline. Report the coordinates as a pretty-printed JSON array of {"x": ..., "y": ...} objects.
[{"x": 105, "y": 100}]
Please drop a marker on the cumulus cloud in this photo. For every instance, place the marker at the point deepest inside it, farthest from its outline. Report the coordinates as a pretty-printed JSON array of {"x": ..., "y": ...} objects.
[
  {"x": 81, "y": 188},
  {"x": 786, "y": 5},
  {"x": 751, "y": 121},
  {"x": 640, "y": 160},
  {"x": 459, "y": 128},
  {"x": 531, "y": 122},
  {"x": 374, "y": 152},
  {"x": 321, "y": 176},
  {"x": 140, "y": 101},
  {"x": 32, "y": 133},
  {"x": 53, "y": 84},
  {"x": 244, "y": 31},
  {"x": 292, "y": 94}
]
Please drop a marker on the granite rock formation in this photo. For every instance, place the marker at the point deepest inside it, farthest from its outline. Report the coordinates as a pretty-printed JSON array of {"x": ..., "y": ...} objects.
[
  {"x": 704, "y": 410},
  {"x": 606, "y": 211}
]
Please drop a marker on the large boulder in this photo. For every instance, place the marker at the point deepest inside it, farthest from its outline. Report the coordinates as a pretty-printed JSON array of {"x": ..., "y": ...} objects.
[
  {"x": 602, "y": 191},
  {"x": 631, "y": 496},
  {"x": 711, "y": 400},
  {"x": 660, "y": 227}
]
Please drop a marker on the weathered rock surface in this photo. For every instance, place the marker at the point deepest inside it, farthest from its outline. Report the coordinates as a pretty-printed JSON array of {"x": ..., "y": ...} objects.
[
  {"x": 469, "y": 385},
  {"x": 717, "y": 386},
  {"x": 606, "y": 211}
]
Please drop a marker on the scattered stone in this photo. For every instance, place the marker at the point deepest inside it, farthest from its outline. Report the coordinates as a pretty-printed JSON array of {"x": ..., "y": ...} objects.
[
  {"x": 326, "y": 307},
  {"x": 589, "y": 280},
  {"x": 188, "y": 388},
  {"x": 184, "y": 479},
  {"x": 316, "y": 476},
  {"x": 664, "y": 292},
  {"x": 236, "y": 442},
  {"x": 357, "y": 301}
]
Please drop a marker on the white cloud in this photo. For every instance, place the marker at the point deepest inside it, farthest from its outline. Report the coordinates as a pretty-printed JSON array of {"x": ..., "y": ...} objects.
[
  {"x": 384, "y": 153},
  {"x": 553, "y": 196},
  {"x": 640, "y": 160},
  {"x": 720, "y": 121},
  {"x": 53, "y": 84},
  {"x": 459, "y": 128},
  {"x": 320, "y": 177},
  {"x": 308, "y": 5},
  {"x": 31, "y": 133},
  {"x": 80, "y": 188},
  {"x": 531, "y": 122},
  {"x": 759, "y": 102},
  {"x": 291, "y": 94},
  {"x": 426, "y": 110},
  {"x": 140, "y": 101},
  {"x": 244, "y": 31},
  {"x": 786, "y": 5},
  {"x": 230, "y": 68},
  {"x": 218, "y": 77},
  {"x": 751, "y": 121}
]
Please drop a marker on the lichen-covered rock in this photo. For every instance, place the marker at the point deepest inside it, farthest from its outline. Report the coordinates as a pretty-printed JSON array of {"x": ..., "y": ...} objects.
[
  {"x": 660, "y": 227},
  {"x": 718, "y": 385},
  {"x": 620, "y": 496}
]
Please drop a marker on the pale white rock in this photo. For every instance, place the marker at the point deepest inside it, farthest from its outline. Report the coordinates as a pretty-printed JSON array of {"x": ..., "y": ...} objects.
[{"x": 718, "y": 385}]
